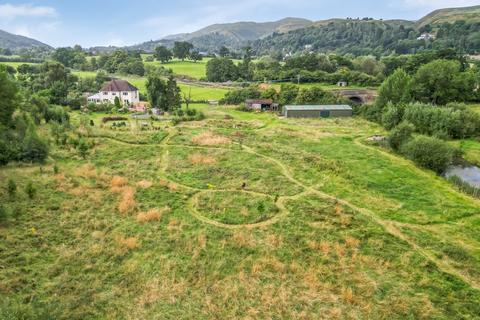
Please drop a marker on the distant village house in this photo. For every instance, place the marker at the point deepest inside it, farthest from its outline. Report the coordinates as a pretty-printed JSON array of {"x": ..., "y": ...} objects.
[
  {"x": 127, "y": 93},
  {"x": 426, "y": 36}
]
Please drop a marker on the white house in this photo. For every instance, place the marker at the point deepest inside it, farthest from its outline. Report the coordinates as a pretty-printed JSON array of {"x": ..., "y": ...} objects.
[
  {"x": 127, "y": 93},
  {"x": 426, "y": 36}
]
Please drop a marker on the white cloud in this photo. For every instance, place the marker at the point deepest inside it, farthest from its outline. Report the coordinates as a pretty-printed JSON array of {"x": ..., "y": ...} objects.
[
  {"x": 10, "y": 11},
  {"x": 214, "y": 11},
  {"x": 435, "y": 4}
]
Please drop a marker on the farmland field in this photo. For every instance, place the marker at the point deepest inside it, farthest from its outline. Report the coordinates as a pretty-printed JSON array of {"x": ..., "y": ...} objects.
[
  {"x": 241, "y": 215},
  {"x": 15, "y": 64},
  {"x": 192, "y": 69},
  {"x": 198, "y": 93}
]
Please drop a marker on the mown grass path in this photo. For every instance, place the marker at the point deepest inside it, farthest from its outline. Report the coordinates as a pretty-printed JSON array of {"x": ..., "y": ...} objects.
[{"x": 391, "y": 227}]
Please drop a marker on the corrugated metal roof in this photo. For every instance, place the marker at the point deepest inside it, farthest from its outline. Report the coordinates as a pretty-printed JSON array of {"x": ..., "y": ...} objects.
[{"x": 319, "y": 107}]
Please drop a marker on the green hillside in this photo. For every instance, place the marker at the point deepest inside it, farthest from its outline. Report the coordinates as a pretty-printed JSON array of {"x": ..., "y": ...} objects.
[
  {"x": 468, "y": 14},
  {"x": 15, "y": 42}
]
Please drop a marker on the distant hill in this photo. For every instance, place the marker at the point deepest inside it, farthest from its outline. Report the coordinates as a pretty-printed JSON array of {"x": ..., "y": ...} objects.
[
  {"x": 15, "y": 42},
  {"x": 232, "y": 35},
  {"x": 468, "y": 14},
  {"x": 458, "y": 28},
  {"x": 355, "y": 36}
]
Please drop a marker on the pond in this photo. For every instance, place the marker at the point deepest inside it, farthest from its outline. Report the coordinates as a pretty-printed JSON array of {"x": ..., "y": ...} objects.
[{"x": 468, "y": 174}]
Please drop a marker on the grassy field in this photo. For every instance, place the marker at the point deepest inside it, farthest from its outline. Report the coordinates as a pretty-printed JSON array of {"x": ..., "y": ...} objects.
[
  {"x": 192, "y": 69},
  {"x": 198, "y": 93},
  {"x": 15, "y": 64},
  {"x": 241, "y": 215}
]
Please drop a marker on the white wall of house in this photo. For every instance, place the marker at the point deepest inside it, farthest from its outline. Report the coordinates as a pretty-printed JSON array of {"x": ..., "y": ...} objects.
[{"x": 126, "y": 97}]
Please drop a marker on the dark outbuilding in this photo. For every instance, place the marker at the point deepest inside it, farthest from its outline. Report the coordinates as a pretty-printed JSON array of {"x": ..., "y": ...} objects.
[
  {"x": 320, "y": 111},
  {"x": 261, "y": 104}
]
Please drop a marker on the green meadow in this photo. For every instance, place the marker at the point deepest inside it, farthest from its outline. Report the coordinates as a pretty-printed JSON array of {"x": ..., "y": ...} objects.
[
  {"x": 241, "y": 215},
  {"x": 198, "y": 93}
]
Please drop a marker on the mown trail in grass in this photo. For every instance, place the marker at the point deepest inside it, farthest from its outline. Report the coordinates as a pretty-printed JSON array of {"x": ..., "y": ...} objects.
[{"x": 345, "y": 243}]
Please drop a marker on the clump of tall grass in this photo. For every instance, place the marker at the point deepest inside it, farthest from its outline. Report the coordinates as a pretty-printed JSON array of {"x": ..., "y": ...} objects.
[
  {"x": 201, "y": 159},
  {"x": 151, "y": 215},
  {"x": 210, "y": 139},
  {"x": 464, "y": 186}
]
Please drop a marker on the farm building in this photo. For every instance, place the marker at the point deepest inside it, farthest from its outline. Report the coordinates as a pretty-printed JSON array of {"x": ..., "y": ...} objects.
[
  {"x": 321, "y": 111},
  {"x": 261, "y": 104}
]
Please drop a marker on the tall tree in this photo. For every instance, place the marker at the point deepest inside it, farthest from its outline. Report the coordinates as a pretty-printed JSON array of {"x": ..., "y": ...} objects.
[
  {"x": 224, "y": 52},
  {"x": 156, "y": 88},
  {"x": 181, "y": 49},
  {"x": 195, "y": 56},
  {"x": 441, "y": 82},
  {"x": 8, "y": 97},
  {"x": 163, "y": 54},
  {"x": 395, "y": 89},
  {"x": 173, "y": 94}
]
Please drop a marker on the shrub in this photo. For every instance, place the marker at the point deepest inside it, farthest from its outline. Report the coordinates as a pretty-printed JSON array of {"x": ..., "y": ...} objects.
[
  {"x": 400, "y": 135},
  {"x": 430, "y": 153},
  {"x": 30, "y": 190},
  {"x": 3, "y": 214},
  {"x": 240, "y": 95},
  {"x": 11, "y": 188},
  {"x": 453, "y": 121},
  {"x": 392, "y": 115},
  {"x": 34, "y": 149},
  {"x": 108, "y": 119}
]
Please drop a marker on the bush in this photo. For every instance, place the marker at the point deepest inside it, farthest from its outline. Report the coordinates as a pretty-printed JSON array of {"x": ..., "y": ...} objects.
[
  {"x": 108, "y": 119},
  {"x": 30, "y": 190},
  {"x": 240, "y": 95},
  {"x": 453, "y": 121},
  {"x": 430, "y": 153},
  {"x": 3, "y": 214},
  {"x": 11, "y": 188},
  {"x": 392, "y": 115},
  {"x": 400, "y": 135},
  {"x": 34, "y": 149}
]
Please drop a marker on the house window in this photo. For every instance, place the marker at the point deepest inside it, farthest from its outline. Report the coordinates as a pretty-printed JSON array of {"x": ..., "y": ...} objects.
[
  {"x": 125, "y": 93},
  {"x": 105, "y": 93},
  {"x": 114, "y": 93}
]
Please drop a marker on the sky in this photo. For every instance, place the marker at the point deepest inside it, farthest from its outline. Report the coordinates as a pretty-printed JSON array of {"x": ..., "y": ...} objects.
[{"x": 121, "y": 22}]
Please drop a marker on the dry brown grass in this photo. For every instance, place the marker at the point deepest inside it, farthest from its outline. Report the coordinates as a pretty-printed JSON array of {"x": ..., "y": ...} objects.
[
  {"x": 347, "y": 295},
  {"x": 324, "y": 247},
  {"x": 144, "y": 184},
  {"x": 167, "y": 184},
  {"x": 118, "y": 183},
  {"x": 127, "y": 200},
  {"x": 200, "y": 159},
  {"x": 86, "y": 171},
  {"x": 210, "y": 139},
  {"x": 151, "y": 215},
  {"x": 127, "y": 243},
  {"x": 352, "y": 242},
  {"x": 243, "y": 238}
]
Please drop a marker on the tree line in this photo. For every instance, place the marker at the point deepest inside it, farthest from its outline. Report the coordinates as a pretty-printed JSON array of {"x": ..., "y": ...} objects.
[{"x": 425, "y": 108}]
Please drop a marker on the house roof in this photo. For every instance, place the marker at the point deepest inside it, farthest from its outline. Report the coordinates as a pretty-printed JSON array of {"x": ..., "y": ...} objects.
[
  {"x": 118, "y": 86},
  {"x": 318, "y": 107},
  {"x": 95, "y": 96}
]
